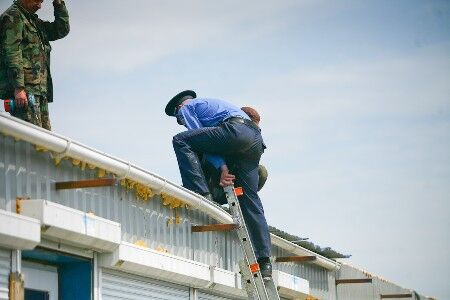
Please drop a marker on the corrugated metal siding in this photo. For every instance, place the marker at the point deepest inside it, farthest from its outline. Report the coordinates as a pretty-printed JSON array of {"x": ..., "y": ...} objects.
[
  {"x": 207, "y": 296},
  {"x": 220, "y": 249},
  {"x": 320, "y": 280},
  {"x": 118, "y": 285},
  {"x": 420, "y": 297},
  {"x": 364, "y": 291},
  {"x": 28, "y": 173},
  {"x": 5, "y": 269},
  {"x": 7, "y": 172},
  {"x": 24, "y": 172},
  {"x": 331, "y": 286},
  {"x": 384, "y": 287}
]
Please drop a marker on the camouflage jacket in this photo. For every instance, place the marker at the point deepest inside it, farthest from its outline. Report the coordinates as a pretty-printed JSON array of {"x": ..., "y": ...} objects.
[{"x": 25, "y": 50}]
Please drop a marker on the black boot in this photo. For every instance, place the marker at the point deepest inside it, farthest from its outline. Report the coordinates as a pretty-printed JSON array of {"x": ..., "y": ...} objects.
[
  {"x": 208, "y": 196},
  {"x": 219, "y": 195},
  {"x": 265, "y": 267}
]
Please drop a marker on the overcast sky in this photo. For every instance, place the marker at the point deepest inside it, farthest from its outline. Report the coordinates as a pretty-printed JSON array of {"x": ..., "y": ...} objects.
[{"x": 354, "y": 98}]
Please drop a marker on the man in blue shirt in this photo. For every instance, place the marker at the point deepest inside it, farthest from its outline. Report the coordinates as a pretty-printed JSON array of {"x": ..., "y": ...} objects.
[
  {"x": 225, "y": 136},
  {"x": 212, "y": 175}
]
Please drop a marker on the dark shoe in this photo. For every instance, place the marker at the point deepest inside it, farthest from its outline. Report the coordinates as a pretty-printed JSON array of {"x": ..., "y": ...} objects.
[
  {"x": 212, "y": 198},
  {"x": 266, "y": 270},
  {"x": 208, "y": 196},
  {"x": 219, "y": 196},
  {"x": 226, "y": 208}
]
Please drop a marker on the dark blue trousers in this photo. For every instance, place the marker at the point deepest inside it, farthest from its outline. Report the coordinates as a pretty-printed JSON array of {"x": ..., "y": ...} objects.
[{"x": 242, "y": 146}]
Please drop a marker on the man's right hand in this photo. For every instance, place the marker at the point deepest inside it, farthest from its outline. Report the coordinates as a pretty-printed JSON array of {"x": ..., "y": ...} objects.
[
  {"x": 20, "y": 97},
  {"x": 226, "y": 178}
]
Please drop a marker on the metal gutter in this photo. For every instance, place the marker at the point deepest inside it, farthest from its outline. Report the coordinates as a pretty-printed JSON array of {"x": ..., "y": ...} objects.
[
  {"x": 298, "y": 250},
  {"x": 67, "y": 147}
]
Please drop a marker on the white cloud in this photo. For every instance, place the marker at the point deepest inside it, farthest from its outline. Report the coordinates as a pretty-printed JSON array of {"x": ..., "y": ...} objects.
[
  {"x": 120, "y": 36},
  {"x": 414, "y": 83},
  {"x": 358, "y": 155},
  {"x": 306, "y": 100}
]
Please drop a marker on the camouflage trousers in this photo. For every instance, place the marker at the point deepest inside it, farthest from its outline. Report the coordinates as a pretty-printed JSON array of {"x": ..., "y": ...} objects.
[{"x": 37, "y": 115}]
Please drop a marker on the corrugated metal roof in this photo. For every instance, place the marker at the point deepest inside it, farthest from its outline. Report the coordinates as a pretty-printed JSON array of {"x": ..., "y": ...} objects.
[
  {"x": 327, "y": 251},
  {"x": 378, "y": 286}
]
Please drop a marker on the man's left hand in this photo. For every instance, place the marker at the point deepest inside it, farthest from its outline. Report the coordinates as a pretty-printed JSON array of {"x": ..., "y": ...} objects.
[{"x": 226, "y": 178}]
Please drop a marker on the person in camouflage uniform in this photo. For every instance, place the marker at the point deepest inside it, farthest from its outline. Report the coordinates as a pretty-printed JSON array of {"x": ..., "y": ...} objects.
[{"x": 25, "y": 57}]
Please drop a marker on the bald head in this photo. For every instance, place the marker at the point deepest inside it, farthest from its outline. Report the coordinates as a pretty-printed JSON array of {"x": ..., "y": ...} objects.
[{"x": 252, "y": 113}]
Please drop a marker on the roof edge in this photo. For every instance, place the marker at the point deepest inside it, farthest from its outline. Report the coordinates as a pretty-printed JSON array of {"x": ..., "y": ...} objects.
[{"x": 65, "y": 146}]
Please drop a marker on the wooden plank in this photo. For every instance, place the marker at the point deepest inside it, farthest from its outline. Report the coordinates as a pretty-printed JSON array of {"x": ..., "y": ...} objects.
[
  {"x": 396, "y": 296},
  {"x": 214, "y": 227},
  {"x": 64, "y": 185},
  {"x": 359, "y": 280},
  {"x": 16, "y": 286},
  {"x": 295, "y": 258}
]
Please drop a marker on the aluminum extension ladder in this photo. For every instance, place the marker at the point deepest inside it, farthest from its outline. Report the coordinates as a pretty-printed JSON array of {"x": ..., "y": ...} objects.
[{"x": 256, "y": 287}]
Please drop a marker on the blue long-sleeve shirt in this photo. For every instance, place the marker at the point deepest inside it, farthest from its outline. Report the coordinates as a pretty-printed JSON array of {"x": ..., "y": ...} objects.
[{"x": 204, "y": 112}]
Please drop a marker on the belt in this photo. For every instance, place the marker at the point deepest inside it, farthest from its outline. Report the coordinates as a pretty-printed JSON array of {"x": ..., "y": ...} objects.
[{"x": 243, "y": 121}]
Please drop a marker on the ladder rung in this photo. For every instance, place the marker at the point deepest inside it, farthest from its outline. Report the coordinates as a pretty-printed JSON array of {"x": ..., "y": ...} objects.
[
  {"x": 255, "y": 285},
  {"x": 90, "y": 183},
  {"x": 214, "y": 227},
  {"x": 295, "y": 258}
]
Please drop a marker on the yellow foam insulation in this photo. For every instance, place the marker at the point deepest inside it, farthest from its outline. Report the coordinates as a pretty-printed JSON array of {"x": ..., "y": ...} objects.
[
  {"x": 57, "y": 160},
  {"x": 141, "y": 243},
  {"x": 142, "y": 191},
  {"x": 41, "y": 149},
  {"x": 161, "y": 249},
  {"x": 176, "y": 218},
  {"x": 171, "y": 201},
  {"x": 101, "y": 173}
]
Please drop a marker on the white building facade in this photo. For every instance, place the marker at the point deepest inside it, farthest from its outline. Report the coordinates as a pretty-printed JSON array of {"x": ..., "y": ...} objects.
[{"x": 132, "y": 239}]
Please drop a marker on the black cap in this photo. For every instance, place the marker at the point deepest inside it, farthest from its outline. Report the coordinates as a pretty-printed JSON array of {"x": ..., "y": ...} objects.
[{"x": 175, "y": 101}]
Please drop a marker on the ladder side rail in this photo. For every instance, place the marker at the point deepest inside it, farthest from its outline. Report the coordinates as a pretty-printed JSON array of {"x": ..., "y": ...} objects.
[{"x": 247, "y": 247}]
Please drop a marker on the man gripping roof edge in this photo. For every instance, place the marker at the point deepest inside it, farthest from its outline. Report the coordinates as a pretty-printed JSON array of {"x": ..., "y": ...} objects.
[{"x": 225, "y": 135}]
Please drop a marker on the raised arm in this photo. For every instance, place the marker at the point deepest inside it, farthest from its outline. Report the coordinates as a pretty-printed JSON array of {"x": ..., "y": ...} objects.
[{"x": 60, "y": 27}]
